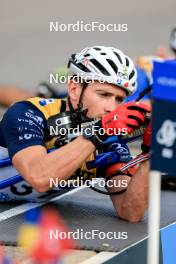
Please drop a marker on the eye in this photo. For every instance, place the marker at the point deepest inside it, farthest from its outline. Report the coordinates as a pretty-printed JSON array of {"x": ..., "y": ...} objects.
[
  {"x": 104, "y": 94},
  {"x": 119, "y": 99}
]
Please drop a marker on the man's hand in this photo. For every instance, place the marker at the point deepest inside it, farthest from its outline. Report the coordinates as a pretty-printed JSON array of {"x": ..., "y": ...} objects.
[
  {"x": 127, "y": 116},
  {"x": 147, "y": 138}
]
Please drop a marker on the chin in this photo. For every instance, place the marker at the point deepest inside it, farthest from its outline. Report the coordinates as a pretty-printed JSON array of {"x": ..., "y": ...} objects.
[{"x": 97, "y": 116}]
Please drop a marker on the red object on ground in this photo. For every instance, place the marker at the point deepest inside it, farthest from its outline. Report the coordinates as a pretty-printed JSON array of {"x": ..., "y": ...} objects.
[
  {"x": 3, "y": 258},
  {"x": 1, "y": 254},
  {"x": 51, "y": 248}
]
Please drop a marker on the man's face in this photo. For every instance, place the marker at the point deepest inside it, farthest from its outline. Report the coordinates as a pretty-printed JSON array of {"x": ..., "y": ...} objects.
[{"x": 102, "y": 98}]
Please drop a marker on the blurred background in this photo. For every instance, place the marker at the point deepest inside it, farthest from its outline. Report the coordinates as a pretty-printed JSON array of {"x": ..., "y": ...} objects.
[{"x": 29, "y": 51}]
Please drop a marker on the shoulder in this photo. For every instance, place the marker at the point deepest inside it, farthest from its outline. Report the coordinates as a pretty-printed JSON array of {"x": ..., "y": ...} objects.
[
  {"x": 22, "y": 113},
  {"x": 48, "y": 107},
  {"x": 18, "y": 109},
  {"x": 23, "y": 125}
]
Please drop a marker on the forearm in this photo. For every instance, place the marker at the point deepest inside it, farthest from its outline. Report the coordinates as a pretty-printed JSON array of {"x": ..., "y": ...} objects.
[
  {"x": 131, "y": 205},
  {"x": 61, "y": 163}
]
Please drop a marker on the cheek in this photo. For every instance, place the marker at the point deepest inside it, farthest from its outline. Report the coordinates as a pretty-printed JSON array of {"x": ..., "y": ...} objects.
[{"x": 94, "y": 104}]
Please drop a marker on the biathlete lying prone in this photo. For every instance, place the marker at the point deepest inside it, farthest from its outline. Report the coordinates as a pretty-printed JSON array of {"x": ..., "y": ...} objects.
[{"x": 102, "y": 78}]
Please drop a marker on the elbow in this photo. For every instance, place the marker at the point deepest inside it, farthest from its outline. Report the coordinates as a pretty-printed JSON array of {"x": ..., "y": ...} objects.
[
  {"x": 133, "y": 209},
  {"x": 39, "y": 186},
  {"x": 132, "y": 218},
  {"x": 132, "y": 215},
  {"x": 38, "y": 183},
  {"x": 40, "y": 189}
]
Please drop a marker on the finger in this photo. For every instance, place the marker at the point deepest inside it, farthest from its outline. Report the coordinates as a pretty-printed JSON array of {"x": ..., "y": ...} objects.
[
  {"x": 139, "y": 106},
  {"x": 132, "y": 123},
  {"x": 136, "y": 115}
]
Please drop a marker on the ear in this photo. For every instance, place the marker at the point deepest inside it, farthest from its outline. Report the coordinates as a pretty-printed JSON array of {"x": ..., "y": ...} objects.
[{"x": 74, "y": 90}]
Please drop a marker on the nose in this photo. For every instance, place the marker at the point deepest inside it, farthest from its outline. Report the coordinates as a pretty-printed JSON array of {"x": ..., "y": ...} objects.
[{"x": 111, "y": 105}]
